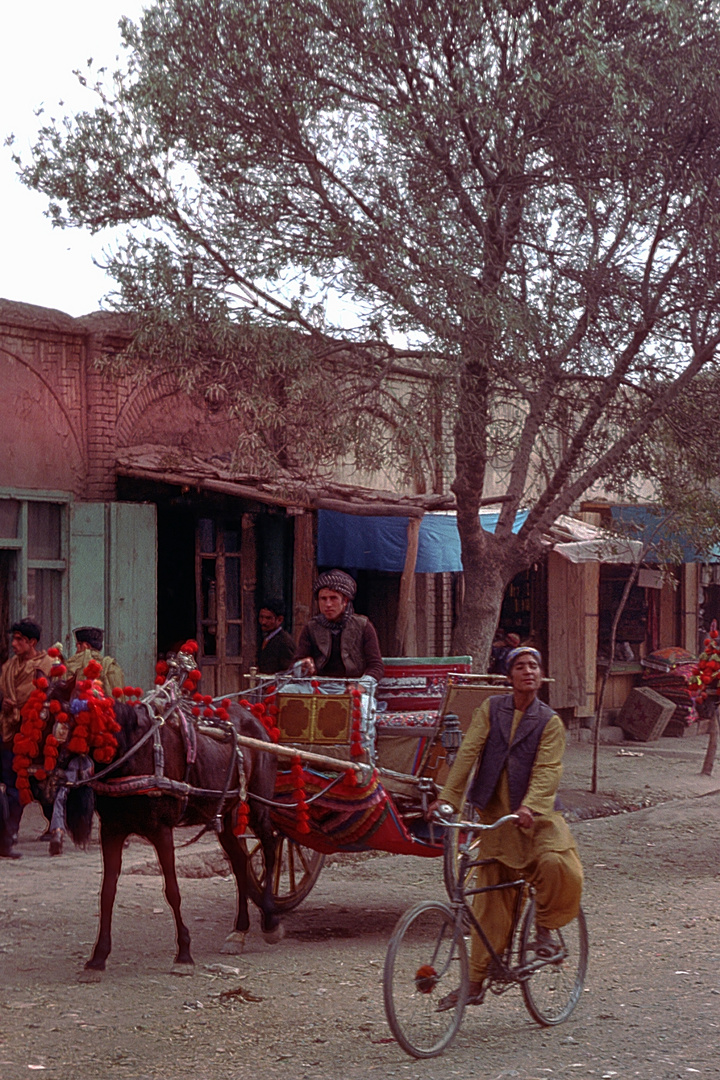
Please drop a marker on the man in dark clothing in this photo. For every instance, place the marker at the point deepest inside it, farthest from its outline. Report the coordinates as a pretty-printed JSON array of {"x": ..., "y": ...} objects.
[
  {"x": 278, "y": 648},
  {"x": 337, "y": 642}
]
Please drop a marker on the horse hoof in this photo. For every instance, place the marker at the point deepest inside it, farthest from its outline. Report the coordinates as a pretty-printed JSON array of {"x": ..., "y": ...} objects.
[
  {"x": 183, "y": 969},
  {"x": 272, "y": 937},
  {"x": 234, "y": 943},
  {"x": 90, "y": 975}
]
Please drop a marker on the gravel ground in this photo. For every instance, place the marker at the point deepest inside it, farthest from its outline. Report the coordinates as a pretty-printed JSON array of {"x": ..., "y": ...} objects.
[{"x": 311, "y": 1007}]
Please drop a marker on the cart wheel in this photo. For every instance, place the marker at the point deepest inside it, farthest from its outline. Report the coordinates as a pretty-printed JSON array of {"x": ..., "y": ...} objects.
[
  {"x": 297, "y": 868},
  {"x": 426, "y": 960},
  {"x": 552, "y": 992}
]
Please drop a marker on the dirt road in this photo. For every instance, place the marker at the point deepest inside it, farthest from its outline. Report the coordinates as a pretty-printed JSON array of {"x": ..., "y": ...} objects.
[{"x": 311, "y": 1007}]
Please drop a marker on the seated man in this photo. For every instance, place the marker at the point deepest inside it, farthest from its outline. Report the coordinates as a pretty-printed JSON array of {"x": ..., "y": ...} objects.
[
  {"x": 16, "y": 685},
  {"x": 519, "y": 743},
  {"x": 278, "y": 648},
  {"x": 337, "y": 641}
]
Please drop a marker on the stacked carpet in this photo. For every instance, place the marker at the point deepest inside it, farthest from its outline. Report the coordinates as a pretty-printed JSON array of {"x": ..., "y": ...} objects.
[{"x": 668, "y": 672}]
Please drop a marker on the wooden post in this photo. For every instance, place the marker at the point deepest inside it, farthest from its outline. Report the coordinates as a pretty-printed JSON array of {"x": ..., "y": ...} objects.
[
  {"x": 248, "y": 578},
  {"x": 303, "y": 571},
  {"x": 711, "y": 752},
  {"x": 407, "y": 582},
  {"x": 689, "y": 618}
]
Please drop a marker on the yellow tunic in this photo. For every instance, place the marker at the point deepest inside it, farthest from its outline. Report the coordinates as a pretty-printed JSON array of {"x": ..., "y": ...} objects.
[
  {"x": 16, "y": 686},
  {"x": 515, "y": 847},
  {"x": 111, "y": 674},
  {"x": 545, "y": 853}
]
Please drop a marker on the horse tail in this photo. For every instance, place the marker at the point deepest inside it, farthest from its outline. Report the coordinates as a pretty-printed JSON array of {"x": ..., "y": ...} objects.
[{"x": 79, "y": 814}]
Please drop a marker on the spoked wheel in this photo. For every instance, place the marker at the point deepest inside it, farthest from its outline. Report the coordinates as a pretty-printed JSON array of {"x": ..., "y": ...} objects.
[
  {"x": 425, "y": 961},
  {"x": 297, "y": 868},
  {"x": 554, "y": 990}
]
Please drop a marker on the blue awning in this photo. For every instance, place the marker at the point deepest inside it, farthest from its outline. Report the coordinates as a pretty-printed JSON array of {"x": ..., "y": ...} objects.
[
  {"x": 380, "y": 543},
  {"x": 642, "y": 523}
]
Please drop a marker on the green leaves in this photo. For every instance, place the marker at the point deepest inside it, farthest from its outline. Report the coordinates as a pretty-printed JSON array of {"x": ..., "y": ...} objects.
[{"x": 526, "y": 193}]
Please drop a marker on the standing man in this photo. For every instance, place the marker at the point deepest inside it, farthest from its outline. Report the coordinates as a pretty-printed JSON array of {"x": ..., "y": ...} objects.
[
  {"x": 518, "y": 743},
  {"x": 278, "y": 648},
  {"x": 337, "y": 641},
  {"x": 16, "y": 684},
  {"x": 88, "y": 646}
]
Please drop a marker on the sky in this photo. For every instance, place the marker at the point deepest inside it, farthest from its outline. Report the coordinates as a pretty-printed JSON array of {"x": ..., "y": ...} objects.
[{"x": 44, "y": 41}]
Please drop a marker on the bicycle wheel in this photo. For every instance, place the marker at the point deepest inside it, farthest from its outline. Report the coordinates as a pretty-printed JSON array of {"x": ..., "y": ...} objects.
[
  {"x": 553, "y": 991},
  {"x": 426, "y": 960}
]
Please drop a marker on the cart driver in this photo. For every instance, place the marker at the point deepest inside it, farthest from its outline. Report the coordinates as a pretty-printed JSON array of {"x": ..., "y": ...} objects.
[
  {"x": 518, "y": 742},
  {"x": 337, "y": 642}
]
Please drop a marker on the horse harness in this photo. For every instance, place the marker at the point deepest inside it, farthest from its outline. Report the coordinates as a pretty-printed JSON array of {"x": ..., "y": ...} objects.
[{"x": 158, "y": 783}]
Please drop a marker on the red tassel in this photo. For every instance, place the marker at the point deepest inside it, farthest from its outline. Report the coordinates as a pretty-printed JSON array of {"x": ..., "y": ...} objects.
[{"x": 242, "y": 819}]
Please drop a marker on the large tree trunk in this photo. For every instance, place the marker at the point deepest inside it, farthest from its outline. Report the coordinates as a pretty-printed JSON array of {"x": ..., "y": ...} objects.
[{"x": 488, "y": 569}]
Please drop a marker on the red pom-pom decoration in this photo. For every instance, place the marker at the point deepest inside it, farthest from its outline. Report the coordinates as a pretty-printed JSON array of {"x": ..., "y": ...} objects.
[{"x": 242, "y": 819}]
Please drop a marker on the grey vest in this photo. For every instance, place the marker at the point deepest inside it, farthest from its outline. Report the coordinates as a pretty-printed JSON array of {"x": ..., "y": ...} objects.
[
  {"x": 351, "y": 649},
  {"x": 498, "y": 753}
]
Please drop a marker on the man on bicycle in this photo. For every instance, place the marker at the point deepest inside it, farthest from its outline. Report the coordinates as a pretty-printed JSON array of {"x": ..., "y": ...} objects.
[{"x": 518, "y": 743}]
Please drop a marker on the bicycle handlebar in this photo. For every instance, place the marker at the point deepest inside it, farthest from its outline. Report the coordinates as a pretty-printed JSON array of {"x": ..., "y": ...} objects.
[{"x": 474, "y": 826}]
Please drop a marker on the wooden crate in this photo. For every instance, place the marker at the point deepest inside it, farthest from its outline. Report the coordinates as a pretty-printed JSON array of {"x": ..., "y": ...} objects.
[{"x": 645, "y": 714}]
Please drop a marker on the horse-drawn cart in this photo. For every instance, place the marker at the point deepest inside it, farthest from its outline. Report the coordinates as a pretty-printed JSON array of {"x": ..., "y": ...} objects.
[
  {"x": 356, "y": 771},
  {"x": 366, "y": 763}
]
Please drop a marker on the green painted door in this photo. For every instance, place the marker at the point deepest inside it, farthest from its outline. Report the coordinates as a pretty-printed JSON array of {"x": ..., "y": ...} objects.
[{"x": 113, "y": 582}]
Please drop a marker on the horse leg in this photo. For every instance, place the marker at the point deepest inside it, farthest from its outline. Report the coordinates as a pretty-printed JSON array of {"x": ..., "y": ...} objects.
[
  {"x": 162, "y": 840},
  {"x": 112, "y": 848},
  {"x": 272, "y": 927},
  {"x": 235, "y": 941}
]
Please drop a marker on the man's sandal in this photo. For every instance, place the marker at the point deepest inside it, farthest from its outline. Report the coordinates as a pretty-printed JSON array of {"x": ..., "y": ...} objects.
[
  {"x": 450, "y": 1000},
  {"x": 545, "y": 946}
]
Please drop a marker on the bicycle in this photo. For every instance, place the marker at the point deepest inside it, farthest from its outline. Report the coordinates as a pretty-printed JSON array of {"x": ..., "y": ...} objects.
[{"x": 427, "y": 958}]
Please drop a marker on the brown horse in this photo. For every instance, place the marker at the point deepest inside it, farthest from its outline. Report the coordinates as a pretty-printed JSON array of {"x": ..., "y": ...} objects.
[{"x": 169, "y": 771}]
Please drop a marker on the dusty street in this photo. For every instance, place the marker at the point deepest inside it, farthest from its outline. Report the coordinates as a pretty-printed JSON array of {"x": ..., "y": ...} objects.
[{"x": 312, "y": 1005}]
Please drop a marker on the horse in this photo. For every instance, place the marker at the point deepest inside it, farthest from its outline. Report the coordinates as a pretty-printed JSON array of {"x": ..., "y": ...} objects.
[{"x": 169, "y": 770}]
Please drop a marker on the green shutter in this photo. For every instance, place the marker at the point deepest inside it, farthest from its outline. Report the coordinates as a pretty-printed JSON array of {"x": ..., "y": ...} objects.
[
  {"x": 113, "y": 582},
  {"x": 132, "y": 590},
  {"x": 86, "y": 569}
]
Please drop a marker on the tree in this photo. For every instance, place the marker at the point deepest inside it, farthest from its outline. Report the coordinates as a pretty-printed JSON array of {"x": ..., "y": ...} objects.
[{"x": 524, "y": 194}]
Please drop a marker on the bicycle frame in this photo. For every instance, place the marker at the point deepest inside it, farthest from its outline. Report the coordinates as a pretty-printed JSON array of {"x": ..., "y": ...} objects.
[{"x": 500, "y": 969}]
